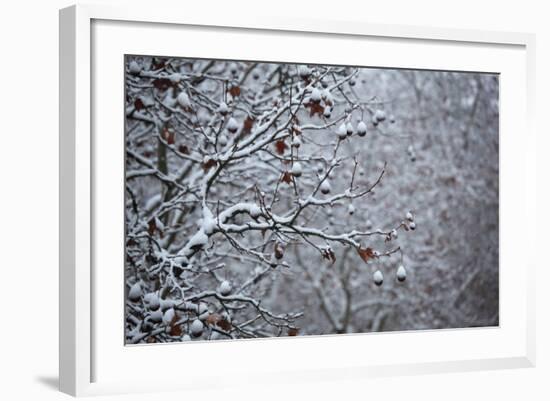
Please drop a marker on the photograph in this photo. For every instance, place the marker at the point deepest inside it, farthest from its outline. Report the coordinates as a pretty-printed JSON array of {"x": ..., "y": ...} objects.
[
  {"x": 300, "y": 200},
  {"x": 272, "y": 199}
]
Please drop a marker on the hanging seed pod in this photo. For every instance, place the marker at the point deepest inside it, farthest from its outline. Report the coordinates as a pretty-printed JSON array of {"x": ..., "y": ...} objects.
[
  {"x": 223, "y": 109},
  {"x": 315, "y": 95},
  {"x": 296, "y": 170},
  {"x": 196, "y": 328},
  {"x": 349, "y": 129},
  {"x": 169, "y": 316},
  {"x": 380, "y": 115},
  {"x": 134, "y": 68},
  {"x": 225, "y": 288},
  {"x": 152, "y": 300},
  {"x": 134, "y": 294},
  {"x": 325, "y": 187},
  {"x": 156, "y": 316},
  {"x": 183, "y": 100},
  {"x": 342, "y": 131},
  {"x": 303, "y": 71},
  {"x": 401, "y": 274},
  {"x": 222, "y": 140},
  {"x": 232, "y": 125},
  {"x": 378, "y": 278},
  {"x": 361, "y": 128}
]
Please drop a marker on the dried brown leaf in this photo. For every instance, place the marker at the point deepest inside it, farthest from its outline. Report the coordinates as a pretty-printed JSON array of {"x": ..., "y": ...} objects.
[
  {"x": 209, "y": 164},
  {"x": 281, "y": 146},
  {"x": 366, "y": 254},
  {"x": 162, "y": 83},
  {"x": 293, "y": 331},
  {"x": 247, "y": 125},
  {"x": 235, "y": 91},
  {"x": 328, "y": 254},
  {"x": 315, "y": 108},
  {"x": 278, "y": 249},
  {"x": 138, "y": 104},
  {"x": 224, "y": 324},
  {"x": 152, "y": 226},
  {"x": 287, "y": 177}
]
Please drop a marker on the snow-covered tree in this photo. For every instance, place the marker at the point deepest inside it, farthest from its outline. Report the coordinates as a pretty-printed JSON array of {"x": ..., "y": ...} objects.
[{"x": 279, "y": 199}]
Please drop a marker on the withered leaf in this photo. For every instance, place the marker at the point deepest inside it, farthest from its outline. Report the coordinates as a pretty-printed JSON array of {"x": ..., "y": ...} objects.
[
  {"x": 152, "y": 226},
  {"x": 235, "y": 91},
  {"x": 183, "y": 149},
  {"x": 278, "y": 250},
  {"x": 366, "y": 254},
  {"x": 162, "y": 83},
  {"x": 281, "y": 146},
  {"x": 138, "y": 104},
  {"x": 171, "y": 138},
  {"x": 213, "y": 319},
  {"x": 247, "y": 125},
  {"x": 158, "y": 63},
  {"x": 328, "y": 254},
  {"x": 315, "y": 108},
  {"x": 293, "y": 331},
  {"x": 168, "y": 135},
  {"x": 209, "y": 164},
  {"x": 224, "y": 324},
  {"x": 176, "y": 330},
  {"x": 287, "y": 177}
]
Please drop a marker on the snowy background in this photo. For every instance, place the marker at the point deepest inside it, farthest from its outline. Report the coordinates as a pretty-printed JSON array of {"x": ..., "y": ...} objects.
[{"x": 276, "y": 199}]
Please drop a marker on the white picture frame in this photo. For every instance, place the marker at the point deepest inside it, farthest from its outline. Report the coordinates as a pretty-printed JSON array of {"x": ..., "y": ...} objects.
[{"x": 82, "y": 345}]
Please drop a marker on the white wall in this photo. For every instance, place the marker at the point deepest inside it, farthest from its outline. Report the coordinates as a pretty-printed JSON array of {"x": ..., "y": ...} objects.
[{"x": 28, "y": 225}]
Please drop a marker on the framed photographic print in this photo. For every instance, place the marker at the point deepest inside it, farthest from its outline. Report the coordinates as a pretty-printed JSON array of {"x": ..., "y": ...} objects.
[{"x": 341, "y": 190}]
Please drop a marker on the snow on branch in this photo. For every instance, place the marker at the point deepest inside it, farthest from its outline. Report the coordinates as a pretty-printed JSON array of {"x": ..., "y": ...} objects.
[{"x": 231, "y": 168}]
